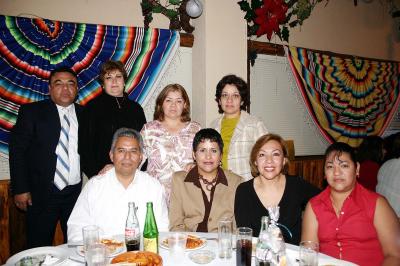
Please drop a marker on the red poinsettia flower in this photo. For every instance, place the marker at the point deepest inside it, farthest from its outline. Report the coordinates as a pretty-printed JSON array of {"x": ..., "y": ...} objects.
[{"x": 269, "y": 16}]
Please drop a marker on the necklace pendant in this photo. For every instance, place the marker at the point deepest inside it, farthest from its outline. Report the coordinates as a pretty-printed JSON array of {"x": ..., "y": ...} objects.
[{"x": 118, "y": 103}]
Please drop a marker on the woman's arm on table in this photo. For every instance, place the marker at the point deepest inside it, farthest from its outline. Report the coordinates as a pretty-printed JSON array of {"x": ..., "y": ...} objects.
[{"x": 310, "y": 225}]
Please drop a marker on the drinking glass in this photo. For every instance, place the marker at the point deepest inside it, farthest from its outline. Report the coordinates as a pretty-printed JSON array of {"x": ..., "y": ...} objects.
[
  {"x": 225, "y": 238},
  {"x": 243, "y": 246},
  {"x": 177, "y": 246},
  {"x": 308, "y": 253},
  {"x": 96, "y": 255},
  {"x": 90, "y": 236}
]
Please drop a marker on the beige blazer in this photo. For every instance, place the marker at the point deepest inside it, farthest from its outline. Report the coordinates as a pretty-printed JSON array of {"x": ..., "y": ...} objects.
[
  {"x": 187, "y": 206},
  {"x": 248, "y": 129}
]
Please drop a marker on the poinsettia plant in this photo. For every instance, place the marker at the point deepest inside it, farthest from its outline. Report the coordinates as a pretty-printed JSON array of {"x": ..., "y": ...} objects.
[{"x": 275, "y": 16}]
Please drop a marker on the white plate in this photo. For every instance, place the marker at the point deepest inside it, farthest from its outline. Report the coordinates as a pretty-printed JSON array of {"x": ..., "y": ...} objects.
[
  {"x": 117, "y": 251},
  {"x": 164, "y": 245},
  {"x": 55, "y": 252}
]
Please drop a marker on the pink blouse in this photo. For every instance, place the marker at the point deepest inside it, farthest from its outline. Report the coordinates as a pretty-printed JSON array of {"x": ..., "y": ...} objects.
[
  {"x": 351, "y": 236},
  {"x": 166, "y": 152}
]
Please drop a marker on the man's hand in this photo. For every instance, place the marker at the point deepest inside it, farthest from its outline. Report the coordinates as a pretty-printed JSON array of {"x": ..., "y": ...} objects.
[
  {"x": 105, "y": 169},
  {"x": 23, "y": 200}
]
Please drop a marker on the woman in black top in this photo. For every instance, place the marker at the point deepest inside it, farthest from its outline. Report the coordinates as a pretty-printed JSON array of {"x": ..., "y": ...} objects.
[
  {"x": 272, "y": 187},
  {"x": 104, "y": 115}
]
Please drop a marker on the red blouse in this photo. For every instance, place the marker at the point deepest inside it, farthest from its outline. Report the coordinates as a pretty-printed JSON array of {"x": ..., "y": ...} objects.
[{"x": 351, "y": 236}]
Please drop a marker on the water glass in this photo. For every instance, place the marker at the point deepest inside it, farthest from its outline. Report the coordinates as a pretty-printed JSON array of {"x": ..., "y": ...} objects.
[
  {"x": 225, "y": 238},
  {"x": 96, "y": 255},
  {"x": 244, "y": 236},
  {"x": 308, "y": 253},
  {"x": 90, "y": 236},
  {"x": 177, "y": 246}
]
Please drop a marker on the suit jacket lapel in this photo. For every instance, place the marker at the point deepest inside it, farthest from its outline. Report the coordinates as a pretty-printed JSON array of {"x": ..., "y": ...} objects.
[{"x": 54, "y": 123}]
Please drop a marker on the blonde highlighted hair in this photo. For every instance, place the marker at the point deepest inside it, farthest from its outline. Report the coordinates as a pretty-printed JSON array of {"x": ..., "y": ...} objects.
[{"x": 257, "y": 147}]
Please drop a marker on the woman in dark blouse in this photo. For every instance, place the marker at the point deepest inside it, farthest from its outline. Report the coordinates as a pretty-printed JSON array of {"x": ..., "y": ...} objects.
[
  {"x": 105, "y": 114},
  {"x": 272, "y": 187}
]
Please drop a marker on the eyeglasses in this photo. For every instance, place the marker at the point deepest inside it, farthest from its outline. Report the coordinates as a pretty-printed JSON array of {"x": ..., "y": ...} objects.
[{"x": 234, "y": 96}]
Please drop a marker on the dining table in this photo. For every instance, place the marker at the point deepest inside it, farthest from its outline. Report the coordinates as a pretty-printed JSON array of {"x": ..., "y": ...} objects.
[{"x": 211, "y": 244}]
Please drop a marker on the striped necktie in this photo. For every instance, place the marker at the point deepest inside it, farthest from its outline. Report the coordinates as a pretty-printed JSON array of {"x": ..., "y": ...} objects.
[{"x": 62, "y": 168}]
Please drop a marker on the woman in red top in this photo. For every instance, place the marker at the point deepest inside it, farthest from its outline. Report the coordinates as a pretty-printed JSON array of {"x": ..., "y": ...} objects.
[{"x": 349, "y": 221}]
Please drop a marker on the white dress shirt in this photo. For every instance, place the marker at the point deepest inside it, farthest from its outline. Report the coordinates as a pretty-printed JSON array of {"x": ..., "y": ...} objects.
[
  {"x": 104, "y": 202},
  {"x": 73, "y": 155}
]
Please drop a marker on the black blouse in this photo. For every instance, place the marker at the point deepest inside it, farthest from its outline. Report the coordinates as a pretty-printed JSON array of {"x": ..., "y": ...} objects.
[
  {"x": 101, "y": 118},
  {"x": 249, "y": 209}
]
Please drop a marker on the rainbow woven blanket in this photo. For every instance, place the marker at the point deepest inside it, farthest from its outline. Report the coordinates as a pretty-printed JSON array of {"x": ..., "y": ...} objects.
[
  {"x": 347, "y": 98},
  {"x": 31, "y": 48}
]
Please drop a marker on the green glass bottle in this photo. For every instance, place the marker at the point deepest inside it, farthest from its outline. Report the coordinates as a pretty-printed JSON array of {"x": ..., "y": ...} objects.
[{"x": 150, "y": 231}]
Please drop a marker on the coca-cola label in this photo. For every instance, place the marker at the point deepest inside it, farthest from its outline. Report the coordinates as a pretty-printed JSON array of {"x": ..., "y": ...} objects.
[{"x": 131, "y": 233}]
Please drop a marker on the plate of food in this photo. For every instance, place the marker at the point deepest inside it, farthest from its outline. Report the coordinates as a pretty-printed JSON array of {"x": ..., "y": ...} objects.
[
  {"x": 142, "y": 258},
  {"x": 39, "y": 256},
  {"x": 193, "y": 242},
  {"x": 114, "y": 246}
]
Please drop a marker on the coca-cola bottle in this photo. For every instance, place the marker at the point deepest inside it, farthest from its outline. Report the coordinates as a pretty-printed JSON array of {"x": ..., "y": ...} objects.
[{"x": 132, "y": 229}]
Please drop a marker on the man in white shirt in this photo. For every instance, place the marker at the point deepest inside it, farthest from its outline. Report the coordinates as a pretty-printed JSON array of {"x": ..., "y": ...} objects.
[{"x": 104, "y": 199}]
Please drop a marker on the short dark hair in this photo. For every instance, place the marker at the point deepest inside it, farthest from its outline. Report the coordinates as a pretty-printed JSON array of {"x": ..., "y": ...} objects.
[
  {"x": 339, "y": 148},
  {"x": 109, "y": 66},
  {"x": 62, "y": 69},
  {"x": 207, "y": 134},
  {"x": 371, "y": 148},
  {"x": 240, "y": 84}
]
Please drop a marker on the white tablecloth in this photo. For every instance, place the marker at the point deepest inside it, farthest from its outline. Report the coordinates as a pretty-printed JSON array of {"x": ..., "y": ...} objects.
[{"x": 291, "y": 252}]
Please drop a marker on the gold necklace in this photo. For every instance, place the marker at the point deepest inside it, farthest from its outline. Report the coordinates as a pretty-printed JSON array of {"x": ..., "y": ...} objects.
[
  {"x": 209, "y": 184},
  {"x": 335, "y": 208},
  {"x": 120, "y": 104}
]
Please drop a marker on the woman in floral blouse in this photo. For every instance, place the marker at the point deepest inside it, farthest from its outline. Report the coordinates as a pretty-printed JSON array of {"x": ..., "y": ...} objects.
[{"x": 168, "y": 138}]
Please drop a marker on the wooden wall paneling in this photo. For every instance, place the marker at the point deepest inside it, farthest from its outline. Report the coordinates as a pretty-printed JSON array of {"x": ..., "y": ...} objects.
[
  {"x": 311, "y": 168},
  {"x": 58, "y": 236},
  {"x": 4, "y": 220},
  {"x": 17, "y": 227}
]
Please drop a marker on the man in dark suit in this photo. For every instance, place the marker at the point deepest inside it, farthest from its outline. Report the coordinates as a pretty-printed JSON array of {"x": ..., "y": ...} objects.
[{"x": 44, "y": 160}]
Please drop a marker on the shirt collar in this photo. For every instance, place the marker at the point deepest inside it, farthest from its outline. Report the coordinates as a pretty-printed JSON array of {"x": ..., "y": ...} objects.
[
  {"x": 66, "y": 110},
  {"x": 193, "y": 177},
  {"x": 353, "y": 196}
]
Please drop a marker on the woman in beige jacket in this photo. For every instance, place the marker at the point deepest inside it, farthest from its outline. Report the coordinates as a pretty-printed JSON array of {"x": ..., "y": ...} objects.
[{"x": 205, "y": 195}]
